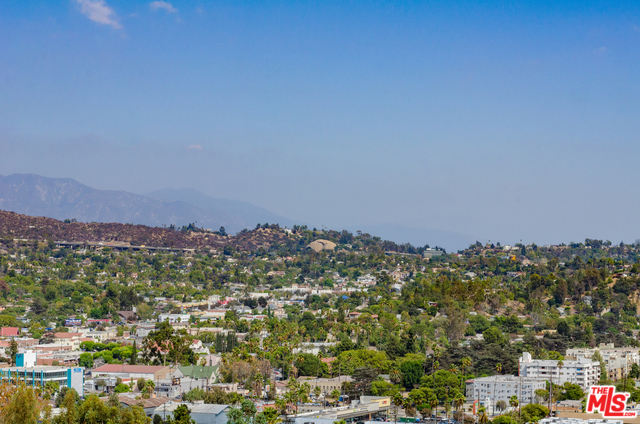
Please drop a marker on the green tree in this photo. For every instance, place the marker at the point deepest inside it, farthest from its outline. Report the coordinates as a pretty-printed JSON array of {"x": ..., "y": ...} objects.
[
  {"x": 122, "y": 388},
  {"x": 493, "y": 335},
  {"x": 513, "y": 402},
  {"x": 134, "y": 354},
  {"x": 363, "y": 377},
  {"x": 23, "y": 406},
  {"x": 86, "y": 360},
  {"x": 13, "y": 350},
  {"x": 181, "y": 415},
  {"x": 483, "y": 417},
  {"x": 149, "y": 387},
  {"x": 603, "y": 366},
  {"x": 69, "y": 403},
  {"x": 571, "y": 392},
  {"x": 271, "y": 415},
  {"x": 398, "y": 401},
  {"x": 411, "y": 373},
  {"x": 166, "y": 344},
  {"x": 64, "y": 393},
  {"x": 335, "y": 394},
  {"x": 533, "y": 412},
  {"x": 635, "y": 371}
]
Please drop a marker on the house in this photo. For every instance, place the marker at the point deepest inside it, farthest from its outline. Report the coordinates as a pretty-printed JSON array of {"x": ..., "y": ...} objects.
[
  {"x": 127, "y": 315},
  {"x": 69, "y": 339},
  {"x": 149, "y": 405},
  {"x": 197, "y": 372},
  {"x": 198, "y": 348},
  {"x": 148, "y": 372},
  {"x": 200, "y": 413},
  {"x": 214, "y": 314}
]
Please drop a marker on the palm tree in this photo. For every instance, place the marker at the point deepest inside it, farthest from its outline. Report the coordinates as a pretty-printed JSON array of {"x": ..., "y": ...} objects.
[
  {"x": 408, "y": 406},
  {"x": 513, "y": 402},
  {"x": 436, "y": 355},
  {"x": 149, "y": 387},
  {"x": 560, "y": 365},
  {"x": 398, "y": 401},
  {"x": 495, "y": 380},
  {"x": 433, "y": 402},
  {"x": 483, "y": 418},
  {"x": 335, "y": 394},
  {"x": 395, "y": 376},
  {"x": 458, "y": 401},
  {"x": 466, "y": 363}
]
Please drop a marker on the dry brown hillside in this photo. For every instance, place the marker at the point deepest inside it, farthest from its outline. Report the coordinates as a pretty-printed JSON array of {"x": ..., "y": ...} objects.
[{"x": 17, "y": 226}]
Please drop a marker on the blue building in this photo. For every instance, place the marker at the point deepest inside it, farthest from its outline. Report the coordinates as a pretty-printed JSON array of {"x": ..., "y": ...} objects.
[{"x": 40, "y": 375}]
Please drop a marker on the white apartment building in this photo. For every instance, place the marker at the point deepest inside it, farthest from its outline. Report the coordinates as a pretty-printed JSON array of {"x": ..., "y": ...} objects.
[
  {"x": 618, "y": 361},
  {"x": 558, "y": 420},
  {"x": 583, "y": 372},
  {"x": 489, "y": 390},
  {"x": 174, "y": 318}
]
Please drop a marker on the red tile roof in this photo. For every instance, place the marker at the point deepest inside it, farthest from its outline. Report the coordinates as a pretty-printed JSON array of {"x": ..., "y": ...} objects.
[
  {"x": 9, "y": 331},
  {"x": 138, "y": 369}
]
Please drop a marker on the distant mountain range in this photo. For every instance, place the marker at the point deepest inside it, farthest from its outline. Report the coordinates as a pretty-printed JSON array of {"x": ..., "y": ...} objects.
[{"x": 65, "y": 198}]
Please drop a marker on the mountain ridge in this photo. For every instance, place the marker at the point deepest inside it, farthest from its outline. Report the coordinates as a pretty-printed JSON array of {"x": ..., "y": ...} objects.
[{"x": 66, "y": 198}]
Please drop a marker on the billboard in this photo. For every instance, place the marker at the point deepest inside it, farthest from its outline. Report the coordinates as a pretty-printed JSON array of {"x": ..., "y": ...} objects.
[{"x": 72, "y": 322}]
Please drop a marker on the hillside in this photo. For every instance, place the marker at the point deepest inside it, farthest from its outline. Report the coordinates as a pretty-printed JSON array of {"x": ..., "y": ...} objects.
[
  {"x": 14, "y": 225},
  {"x": 65, "y": 198}
]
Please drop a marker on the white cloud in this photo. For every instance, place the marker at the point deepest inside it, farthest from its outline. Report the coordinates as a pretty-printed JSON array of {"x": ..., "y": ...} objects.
[
  {"x": 156, "y": 5},
  {"x": 98, "y": 11},
  {"x": 194, "y": 147}
]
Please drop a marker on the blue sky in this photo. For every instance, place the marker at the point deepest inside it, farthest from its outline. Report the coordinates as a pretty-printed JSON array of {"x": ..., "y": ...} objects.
[{"x": 500, "y": 120}]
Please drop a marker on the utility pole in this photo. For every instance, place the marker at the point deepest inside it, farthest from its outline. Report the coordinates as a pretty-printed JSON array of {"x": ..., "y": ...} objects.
[
  {"x": 550, "y": 389},
  {"x": 520, "y": 386}
]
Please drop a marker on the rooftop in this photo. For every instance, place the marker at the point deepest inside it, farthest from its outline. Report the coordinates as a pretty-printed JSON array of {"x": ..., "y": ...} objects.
[
  {"x": 503, "y": 378},
  {"x": 199, "y": 408},
  {"x": 38, "y": 368},
  {"x": 129, "y": 368}
]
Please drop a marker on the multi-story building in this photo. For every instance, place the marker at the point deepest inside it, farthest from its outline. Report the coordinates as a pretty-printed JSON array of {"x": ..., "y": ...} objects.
[
  {"x": 490, "y": 390},
  {"x": 583, "y": 372},
  {"x": 33, "y": 375},
  {"x": 327, "y": 385},
  {"x": 174, "y": 318},
  {"x": 132, "y": 372},
  {"x": 618, "y": 361}
]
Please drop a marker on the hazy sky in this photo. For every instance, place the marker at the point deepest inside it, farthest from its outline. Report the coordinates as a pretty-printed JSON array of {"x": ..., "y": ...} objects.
[{"x": 502, "y": 120}]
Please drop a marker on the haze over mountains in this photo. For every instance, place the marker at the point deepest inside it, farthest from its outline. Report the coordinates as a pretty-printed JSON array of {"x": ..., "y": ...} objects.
[{"x": 66, "y": 198}]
